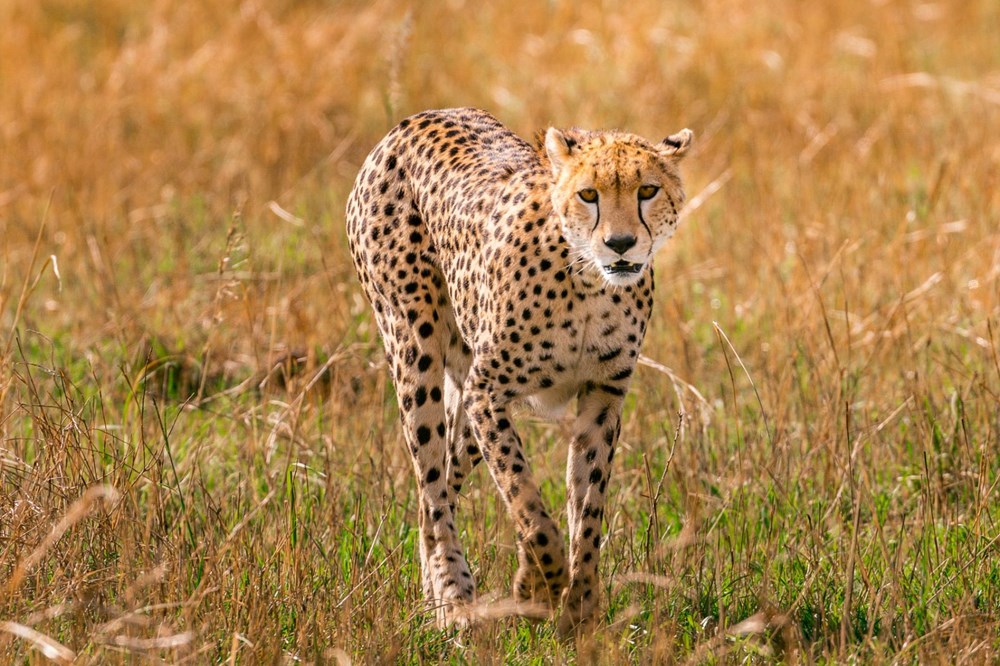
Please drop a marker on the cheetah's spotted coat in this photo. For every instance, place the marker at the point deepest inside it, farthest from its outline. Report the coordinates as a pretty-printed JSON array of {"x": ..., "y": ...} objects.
[{"x": 499, "y": 272}]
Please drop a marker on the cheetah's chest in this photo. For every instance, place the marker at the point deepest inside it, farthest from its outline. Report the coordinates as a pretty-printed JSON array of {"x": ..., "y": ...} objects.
[{"x": 592, "y": 351}]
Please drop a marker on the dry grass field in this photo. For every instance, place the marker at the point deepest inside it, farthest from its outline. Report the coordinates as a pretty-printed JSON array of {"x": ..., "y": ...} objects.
[{"x": 200, "y": 459}]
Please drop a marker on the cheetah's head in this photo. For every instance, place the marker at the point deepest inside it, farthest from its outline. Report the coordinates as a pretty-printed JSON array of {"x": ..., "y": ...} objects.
[{"x": 618, "y": 197}]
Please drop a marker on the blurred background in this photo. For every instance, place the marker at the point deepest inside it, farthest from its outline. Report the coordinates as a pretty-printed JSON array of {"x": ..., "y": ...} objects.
[
  {"x": 137, "y": 131},
  {"x": 179, "y": 319}
]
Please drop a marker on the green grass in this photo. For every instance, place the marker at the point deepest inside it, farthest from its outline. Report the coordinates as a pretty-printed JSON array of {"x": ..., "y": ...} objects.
[{"x": 250, "y": 497}]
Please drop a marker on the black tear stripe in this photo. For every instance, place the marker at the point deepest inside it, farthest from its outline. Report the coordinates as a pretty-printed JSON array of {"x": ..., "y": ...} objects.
[
  {"x": 598, "y": 223},
  {"x": 641, "y": 219}
]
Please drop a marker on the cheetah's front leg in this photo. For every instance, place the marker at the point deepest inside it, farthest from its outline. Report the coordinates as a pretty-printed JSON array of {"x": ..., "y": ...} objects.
[
  {"x": 541, "y": 574},
  {"x": 588, "y": 470}
]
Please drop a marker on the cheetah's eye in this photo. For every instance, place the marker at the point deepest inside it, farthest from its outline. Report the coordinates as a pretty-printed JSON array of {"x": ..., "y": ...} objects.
[
  {"x": 648, "y": 192},
  {"x": 588, "y": 195}
]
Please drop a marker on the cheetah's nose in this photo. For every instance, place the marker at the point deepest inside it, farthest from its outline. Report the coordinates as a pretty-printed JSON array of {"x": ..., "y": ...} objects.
[{"x": 620, "y": 243}]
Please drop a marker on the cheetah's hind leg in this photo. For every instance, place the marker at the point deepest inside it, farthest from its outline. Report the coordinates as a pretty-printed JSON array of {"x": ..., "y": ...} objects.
[{"x": 412, "y": 330}]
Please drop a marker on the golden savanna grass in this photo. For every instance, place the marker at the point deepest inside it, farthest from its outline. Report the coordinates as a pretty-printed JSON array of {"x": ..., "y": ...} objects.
[{"x": 200, "y": 457}]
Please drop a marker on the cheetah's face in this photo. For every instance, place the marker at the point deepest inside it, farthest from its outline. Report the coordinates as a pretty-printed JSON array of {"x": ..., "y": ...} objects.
[{"x": 618, "y": 197}]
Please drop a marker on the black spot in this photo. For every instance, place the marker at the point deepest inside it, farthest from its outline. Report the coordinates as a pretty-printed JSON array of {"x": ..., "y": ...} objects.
[
  {"x": 426, "y": 330},
  {"x": 607, "y": 356},
  {"x": 424, "y": 363},
  {"x": 602, "y": 417},
  {"x": 541, "y": 539},
  {"x": 423, "y": 434},
  {"x": 420, "y": 396},
  {"x": 622, "y": 374},
  {"x": 433, "y": 474},
  {"x": 595, "y": 475}
]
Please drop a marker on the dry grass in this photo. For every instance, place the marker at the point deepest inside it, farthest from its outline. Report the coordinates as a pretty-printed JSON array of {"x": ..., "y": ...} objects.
[{"x": 200, "y": 459}]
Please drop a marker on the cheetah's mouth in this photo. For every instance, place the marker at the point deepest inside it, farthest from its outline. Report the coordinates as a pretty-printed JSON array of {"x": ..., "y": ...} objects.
[{"x": 622, "y": 267}]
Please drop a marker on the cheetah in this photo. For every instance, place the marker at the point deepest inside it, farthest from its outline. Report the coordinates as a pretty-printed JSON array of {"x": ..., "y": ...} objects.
[{"x": 503, "y": 273}]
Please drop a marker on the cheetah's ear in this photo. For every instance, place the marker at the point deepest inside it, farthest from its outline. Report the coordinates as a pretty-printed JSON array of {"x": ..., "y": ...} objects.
[
  {"x": 558, "y": 146},
  {"x": 676, "y": 145}
]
